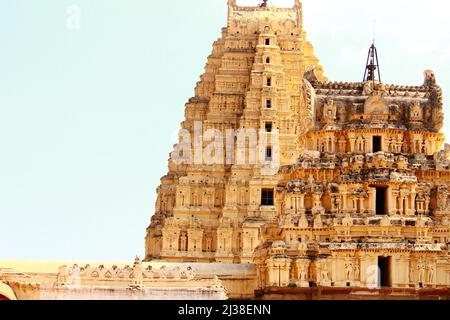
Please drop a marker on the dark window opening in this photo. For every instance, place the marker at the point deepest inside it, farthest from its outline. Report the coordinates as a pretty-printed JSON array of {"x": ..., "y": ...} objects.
[
  {"x": 267, "y": 197},
  {"x": 377, "y": 144},
  {"x": 269, "y": 126},
  {"x": 269, "y": 154},
  {"x": 267, "y": 42},
  {"x": 269, "y": 82},
  {"x": 267, "y": 60},
  {"x": 381, "y": 201},
  {"x": 384, "y": 277},
  {"x": 268, "y": 104}
]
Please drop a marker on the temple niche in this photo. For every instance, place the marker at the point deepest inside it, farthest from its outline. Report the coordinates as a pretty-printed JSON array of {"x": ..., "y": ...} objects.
[{"x": 361, "y": 197}]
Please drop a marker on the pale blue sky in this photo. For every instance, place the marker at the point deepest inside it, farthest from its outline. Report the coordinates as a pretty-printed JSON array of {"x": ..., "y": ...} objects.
[{"x": 88, "y": 116}]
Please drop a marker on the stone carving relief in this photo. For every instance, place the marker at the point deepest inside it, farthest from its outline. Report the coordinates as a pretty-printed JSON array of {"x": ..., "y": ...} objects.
[
  {"x": 376, "y": 105},
  {"x": 329, "y": 111},
  {"x": 416, "y": 113}
]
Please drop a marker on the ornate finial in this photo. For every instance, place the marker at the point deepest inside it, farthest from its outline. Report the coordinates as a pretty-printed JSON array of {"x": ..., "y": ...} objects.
[
  {"x": 263, "y": 4},
  {"x": 372, "y": 65}
]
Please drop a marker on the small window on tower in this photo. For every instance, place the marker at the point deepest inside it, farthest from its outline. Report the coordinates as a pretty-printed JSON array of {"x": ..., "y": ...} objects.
[
  {"x": 268, "y": 104},
  {"x": 267, "y": 42},
  {"x": 267, "y": 60},
  {"x": 377, "y": 144},
  {"x": 269, "y": 154},
  {"x": 267, "y": 197},
  {"x": 269, "y": 126},
  {"x": 269, "y": 81}
]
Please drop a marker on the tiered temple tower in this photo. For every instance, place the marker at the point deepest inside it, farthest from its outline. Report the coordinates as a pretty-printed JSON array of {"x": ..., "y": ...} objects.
[{"x": 357, "y": 191}]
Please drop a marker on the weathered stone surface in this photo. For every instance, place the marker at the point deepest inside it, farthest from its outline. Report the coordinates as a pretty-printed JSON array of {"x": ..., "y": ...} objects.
[
  {"x": 363, "y": 177},
  {"x": 282, "y": 179}
]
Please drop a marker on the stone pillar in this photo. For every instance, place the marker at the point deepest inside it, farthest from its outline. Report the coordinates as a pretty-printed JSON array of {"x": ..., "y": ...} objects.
[
  {"x": 355, "y": 205},
  {"x": 294, "y": 199},
  {"x": 401, "y": 202},
  {"x": 352, "y": 144},
  {"x": 224, "y": 238},
  {"x": 301, "y": 203},
  {"x": 357, "y": 272},
  {"x": 361, "y": 205},
  {"x": 342, "y": 144},
  {"x": 392, "y": 202},
  {"x": 333, "y": 144},
  {"x": 369, "y": 145},
  {"x": 400, "y": 271},
  {"x": 334, "y": 268},
  {"x": 412, "y": 272},
  {"x": 411, "y": 211},
  {"x": 344, "y": 201},
  {"x": 372, "y": 201}
]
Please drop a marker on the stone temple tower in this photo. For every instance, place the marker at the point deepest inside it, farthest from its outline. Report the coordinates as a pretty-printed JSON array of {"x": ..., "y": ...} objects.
[{"x": 315, "y": 182}]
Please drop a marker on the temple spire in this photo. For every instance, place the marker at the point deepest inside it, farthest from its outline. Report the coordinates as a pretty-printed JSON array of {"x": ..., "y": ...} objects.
[
  {"x": 372, "y": 65},
  {"x": 264, "y": 4}
]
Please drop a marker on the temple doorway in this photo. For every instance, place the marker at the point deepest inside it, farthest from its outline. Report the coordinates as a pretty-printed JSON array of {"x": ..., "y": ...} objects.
[
  {"x": 377, "y": 144},
  {"x": 384, "y": 276},
  {"x": 3, "y": 298}
]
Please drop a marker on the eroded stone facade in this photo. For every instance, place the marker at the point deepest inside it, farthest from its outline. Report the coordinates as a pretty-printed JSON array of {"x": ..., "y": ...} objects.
[
  {"x": 351, "y": 202},
  {"x": 361, "y": 198}
]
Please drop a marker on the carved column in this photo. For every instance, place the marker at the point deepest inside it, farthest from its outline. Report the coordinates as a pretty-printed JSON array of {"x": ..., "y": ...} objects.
[
  {"x": 372, "y": 201},
  {"x": 411, "y": 211}
]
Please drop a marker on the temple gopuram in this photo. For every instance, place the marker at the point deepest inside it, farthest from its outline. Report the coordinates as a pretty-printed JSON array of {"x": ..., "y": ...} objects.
[
  {"x": 360, "y": 197},
  {"x": 284, "y": 185}
]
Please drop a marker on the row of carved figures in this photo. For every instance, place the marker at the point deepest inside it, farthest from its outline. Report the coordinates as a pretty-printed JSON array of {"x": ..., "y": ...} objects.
[
  {"x": 302, "y": 272},
  {"x": 75, "y": 273},
  {"x": 332, "y": 143}
]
